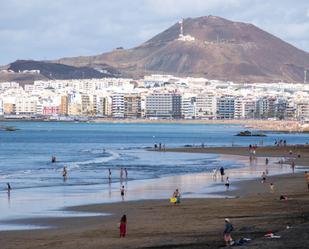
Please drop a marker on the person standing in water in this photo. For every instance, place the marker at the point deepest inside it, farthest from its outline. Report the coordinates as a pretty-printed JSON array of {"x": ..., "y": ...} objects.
[
  {"x": 123, "y": 226},
  {"x": 126, "y": 172},
  {"x": 8, "y": 187},
  {"x": 121, "y": 173},
  {"x": 64, "y": 173},
  {"x": 122, "y": 193},
  {"x": 109, "y": 174},
  {"x": 222, "y": 173},
  {"x": 227, "y": 183}
]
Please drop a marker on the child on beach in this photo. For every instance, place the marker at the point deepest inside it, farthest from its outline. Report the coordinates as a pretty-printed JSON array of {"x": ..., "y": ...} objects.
[
  {"x": 123, "y": 226},
  {"x": 176, "y": 195},
  {"x": 227, "y": 232},
  {"x": 122, "y": 192},
  {"x": 227, "y": 183},
  {"x": 263, "y": 177},
  {"x": 272, "y": 187}
]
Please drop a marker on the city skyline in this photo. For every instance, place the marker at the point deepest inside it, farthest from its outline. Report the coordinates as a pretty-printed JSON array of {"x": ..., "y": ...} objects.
[{"x": 41, "y": 30}]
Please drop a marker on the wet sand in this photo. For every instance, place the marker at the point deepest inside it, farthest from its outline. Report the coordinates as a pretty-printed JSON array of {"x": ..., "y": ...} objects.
[
  {"x": 266, "y": 151},
  {"x": 195, "y": 223}
]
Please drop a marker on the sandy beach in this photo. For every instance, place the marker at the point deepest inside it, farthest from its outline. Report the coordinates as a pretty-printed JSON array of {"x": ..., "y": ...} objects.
[
  {"x": 195, "y": 223},
  {"x": 266, "y": 151},
  {"x": 263, "y": 125}
]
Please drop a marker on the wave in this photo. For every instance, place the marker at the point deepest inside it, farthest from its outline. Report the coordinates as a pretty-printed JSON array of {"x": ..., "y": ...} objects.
[{"x": 112, "y": 156}]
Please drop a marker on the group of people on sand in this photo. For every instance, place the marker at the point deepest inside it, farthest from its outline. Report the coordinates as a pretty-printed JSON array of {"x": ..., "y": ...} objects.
[
  {"x": 280, "y": 143},
  {"x": 159, "y": 147},
  {"x": 252, "y": 149}
]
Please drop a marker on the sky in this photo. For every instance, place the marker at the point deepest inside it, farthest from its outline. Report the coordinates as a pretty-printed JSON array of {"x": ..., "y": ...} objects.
[{"x": 51, "y": 29}]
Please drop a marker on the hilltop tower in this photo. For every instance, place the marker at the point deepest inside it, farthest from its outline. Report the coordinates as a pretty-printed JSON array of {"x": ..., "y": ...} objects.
[{"x": 181, "y": 27}]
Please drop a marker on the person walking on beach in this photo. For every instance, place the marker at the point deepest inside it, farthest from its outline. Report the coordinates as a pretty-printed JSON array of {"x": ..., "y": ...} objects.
[
  {"x": 64, "y": 173},
  {"x": 222, "y": 173},
  {"x": 227, "y": 232},
  {"x": 215, "y": 172},
  {"x": 227, "y": 183},
  {"x": 266, "y": 161},
  {"x": 293, "y": 167},
  {"x": 122, "y": 192},
  {"x": 263, "y": 177},
  {"x": 123, "y": 226}
]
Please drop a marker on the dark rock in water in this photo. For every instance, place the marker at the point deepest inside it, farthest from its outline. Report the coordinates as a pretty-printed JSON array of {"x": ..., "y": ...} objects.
[
  {"x": 250, "y": 134},
  {"x": 8, "y": 128}
]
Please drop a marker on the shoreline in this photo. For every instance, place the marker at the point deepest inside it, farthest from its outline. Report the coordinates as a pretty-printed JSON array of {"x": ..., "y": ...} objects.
[
  {"x": 253, "y": 209},
  {"x": 149, "y": 221},
  {"x": 284, "y": 126}
]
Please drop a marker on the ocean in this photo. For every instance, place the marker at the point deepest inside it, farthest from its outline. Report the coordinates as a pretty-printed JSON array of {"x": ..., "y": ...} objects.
[{"x": 88, "y": 150}]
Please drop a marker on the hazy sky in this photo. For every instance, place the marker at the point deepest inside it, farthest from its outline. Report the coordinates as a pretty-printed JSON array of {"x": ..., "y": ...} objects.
[{"x": 48, "y": 29}]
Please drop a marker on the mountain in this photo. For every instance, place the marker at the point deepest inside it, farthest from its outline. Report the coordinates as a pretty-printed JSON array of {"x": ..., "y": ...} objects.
[
  {"x": 26, "y": 71},
  {"x": 210, "y": 47},
  {"x": 221, "y": 49}
]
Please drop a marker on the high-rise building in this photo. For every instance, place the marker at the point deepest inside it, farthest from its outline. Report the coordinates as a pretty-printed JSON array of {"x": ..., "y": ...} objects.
[
  {"x": 118, "y": 105},
  {"x": 163, "y": 105},
  {"x": 188, "y": 107},
  {"x": 132, "y": 105},
  {"x": 64, "y": 105},
  {"x": 206, "y": 105},
  {"x": 225, "y": 107},
  {"x": 25, "y": 106}
]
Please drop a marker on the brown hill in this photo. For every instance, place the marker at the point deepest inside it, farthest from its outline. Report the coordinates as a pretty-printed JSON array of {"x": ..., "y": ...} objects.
[{"x": 222, "y": 49}]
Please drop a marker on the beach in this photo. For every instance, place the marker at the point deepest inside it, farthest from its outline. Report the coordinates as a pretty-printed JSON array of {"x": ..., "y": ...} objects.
[{"x": 196, "y": 223}]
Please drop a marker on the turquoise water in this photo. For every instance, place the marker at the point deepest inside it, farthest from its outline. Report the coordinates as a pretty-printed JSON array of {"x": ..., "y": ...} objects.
[{"x": 90, "y": 149}]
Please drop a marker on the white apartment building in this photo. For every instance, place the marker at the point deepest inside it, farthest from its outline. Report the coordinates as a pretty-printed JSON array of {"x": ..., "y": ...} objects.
[
  {"x": 206, "y": 105},
  {"x": 188, "y": 107},
  {"x": 26, "y": 106},
  {"x": 118, "y": 105},
  {"x": 303, "y": 110}
]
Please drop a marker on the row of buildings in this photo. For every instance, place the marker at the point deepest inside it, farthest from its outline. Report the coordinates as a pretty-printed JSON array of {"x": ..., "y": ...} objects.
[{"x": 156, "y": 96}]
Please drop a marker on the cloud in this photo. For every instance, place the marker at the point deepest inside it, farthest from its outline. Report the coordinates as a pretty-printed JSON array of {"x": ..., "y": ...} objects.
[{"x": 42, "y": 29}]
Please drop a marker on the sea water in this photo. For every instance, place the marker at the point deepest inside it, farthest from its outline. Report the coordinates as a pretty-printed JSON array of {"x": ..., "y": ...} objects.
[{"x": 88, "y": 150}]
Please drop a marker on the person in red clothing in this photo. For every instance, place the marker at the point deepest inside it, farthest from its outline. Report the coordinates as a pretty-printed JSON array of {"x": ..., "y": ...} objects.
[{"x": 123, "y": 226}]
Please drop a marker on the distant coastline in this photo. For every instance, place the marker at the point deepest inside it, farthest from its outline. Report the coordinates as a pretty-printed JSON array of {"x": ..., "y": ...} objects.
[{"x": 261, "y": 125}]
